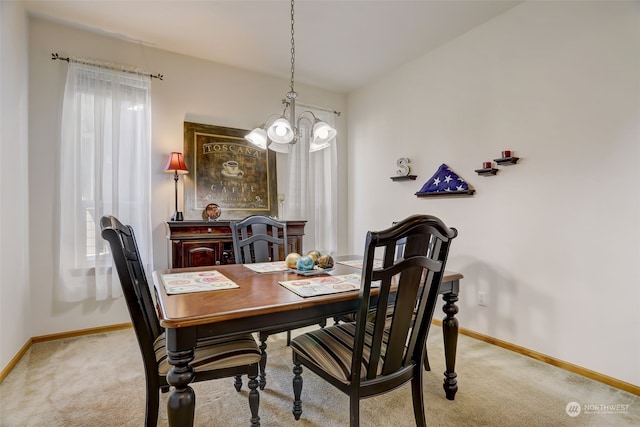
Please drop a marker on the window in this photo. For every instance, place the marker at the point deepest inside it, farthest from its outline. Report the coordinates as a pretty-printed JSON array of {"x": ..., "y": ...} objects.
[{"x": 104, "y": 170}]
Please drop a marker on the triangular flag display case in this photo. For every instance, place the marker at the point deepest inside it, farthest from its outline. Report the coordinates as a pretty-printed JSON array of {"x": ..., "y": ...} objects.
[{"x": 445, "y": 183}]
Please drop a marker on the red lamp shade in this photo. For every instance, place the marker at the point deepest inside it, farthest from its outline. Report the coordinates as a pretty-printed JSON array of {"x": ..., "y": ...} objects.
[{"x": 176, "y": 164}]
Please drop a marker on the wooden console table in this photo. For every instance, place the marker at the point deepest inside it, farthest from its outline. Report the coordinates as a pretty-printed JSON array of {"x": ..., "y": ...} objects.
[{"x": 202, "y": 243}]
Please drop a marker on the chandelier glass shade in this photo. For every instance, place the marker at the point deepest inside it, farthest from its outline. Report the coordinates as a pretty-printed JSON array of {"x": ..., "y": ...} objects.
[
  {"x": 258, "y": 137},
  {"x": 281, "y": 131},
  {"x": 285, "y": 129},
  {"x": 279, "y": 148}
]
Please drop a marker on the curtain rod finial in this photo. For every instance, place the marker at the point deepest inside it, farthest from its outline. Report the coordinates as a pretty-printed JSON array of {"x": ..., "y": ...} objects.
[{"x": 55, "y": 56}]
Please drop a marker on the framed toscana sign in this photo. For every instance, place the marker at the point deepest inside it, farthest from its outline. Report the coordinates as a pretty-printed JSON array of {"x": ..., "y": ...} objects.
[{"x": 227, "y": 170}]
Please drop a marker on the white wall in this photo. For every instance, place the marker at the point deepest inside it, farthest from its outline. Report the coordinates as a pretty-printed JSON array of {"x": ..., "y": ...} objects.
[
  {"x": 192, "y": 90},
  {"x": 553, "y": 240},
  {"x": 14, "y": 231}
]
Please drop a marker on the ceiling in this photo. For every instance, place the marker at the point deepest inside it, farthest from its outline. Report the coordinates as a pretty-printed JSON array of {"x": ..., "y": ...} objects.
[{"x": 340, "y": 44}]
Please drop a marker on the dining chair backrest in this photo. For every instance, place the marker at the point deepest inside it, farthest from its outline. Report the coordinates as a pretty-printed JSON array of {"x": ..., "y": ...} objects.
[
  {"x": 400, "y": 245},
  {"x": 259, "y": 239},
  {"x": 398, "y": 340},
  {"x": 135, "y": 287},
  {"x": 400, "y": 248}
]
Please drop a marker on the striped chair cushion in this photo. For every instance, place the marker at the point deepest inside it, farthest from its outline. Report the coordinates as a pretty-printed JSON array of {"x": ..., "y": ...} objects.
[
  {"x": 217, "y": 353},
  {"x": 331, "y": 349}
]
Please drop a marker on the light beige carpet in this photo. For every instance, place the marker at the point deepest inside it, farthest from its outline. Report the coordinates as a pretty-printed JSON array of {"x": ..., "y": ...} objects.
[{"x": 97, "y": 380}]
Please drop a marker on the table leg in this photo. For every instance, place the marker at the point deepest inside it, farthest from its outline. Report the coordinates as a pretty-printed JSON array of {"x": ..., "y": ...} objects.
[
  {"x": 450, "y": 335},
  {"x": 263, "y": 362},
  {"x": 182, "y": 400}
]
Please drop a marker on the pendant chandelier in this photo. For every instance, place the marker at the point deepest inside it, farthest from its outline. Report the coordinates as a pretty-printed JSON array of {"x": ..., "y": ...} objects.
[{"x": 285, "y": 129}]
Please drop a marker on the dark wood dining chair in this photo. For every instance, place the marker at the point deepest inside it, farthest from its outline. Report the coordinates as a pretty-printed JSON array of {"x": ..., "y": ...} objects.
[
  {"x": 259, "y": 238},
  {"x": 214, "y": 358},
  {"x": 372, "y": 356}
]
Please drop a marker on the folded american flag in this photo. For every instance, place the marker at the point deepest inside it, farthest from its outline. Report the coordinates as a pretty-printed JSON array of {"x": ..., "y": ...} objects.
[{"x": 444, "y": 180}]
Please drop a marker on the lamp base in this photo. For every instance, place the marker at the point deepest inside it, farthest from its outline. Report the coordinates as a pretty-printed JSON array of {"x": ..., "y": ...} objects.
[{"x": 177, "y": 216}]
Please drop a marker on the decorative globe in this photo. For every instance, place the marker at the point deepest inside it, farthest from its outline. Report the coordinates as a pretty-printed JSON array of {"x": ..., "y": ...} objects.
[
  {"x": 325, "y": 261},
  {"x": 305, "y": 263},
  {"x": 292, "y": 260},
  {"x": 315, "y": 255}
]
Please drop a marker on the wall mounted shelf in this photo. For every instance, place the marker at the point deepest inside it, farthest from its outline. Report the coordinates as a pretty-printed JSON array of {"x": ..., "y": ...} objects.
[
  {"x": 447, "y": 193},
  {"x": 404, "y": 178},
  {"x": 487, "y": 171},
  {"x": 506, "y": 161}
]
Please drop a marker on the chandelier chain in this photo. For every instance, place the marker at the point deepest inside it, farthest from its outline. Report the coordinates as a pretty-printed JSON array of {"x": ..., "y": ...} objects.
[
  {"x": 286, "y": 129},
  {"x": 293, "y": 49}
]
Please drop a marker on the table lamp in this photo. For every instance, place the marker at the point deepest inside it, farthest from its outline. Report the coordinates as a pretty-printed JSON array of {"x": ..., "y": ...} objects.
[{"x": 176, "y": 166}]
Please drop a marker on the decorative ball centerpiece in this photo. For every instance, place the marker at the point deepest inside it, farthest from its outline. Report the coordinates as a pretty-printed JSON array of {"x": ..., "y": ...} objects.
[
  {"x": 325, "y": 261},
  {"x": 292, "y": 260},
  {"x": 309, "y": 261},
  {"x": 305, "y": 263},
  {"x": 315, "y": 255}
]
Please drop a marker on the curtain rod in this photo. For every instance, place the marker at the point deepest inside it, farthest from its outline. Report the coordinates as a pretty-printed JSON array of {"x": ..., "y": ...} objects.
[
  {"x": 55, "y": 56},
  {"x": 328, "y": 110}
]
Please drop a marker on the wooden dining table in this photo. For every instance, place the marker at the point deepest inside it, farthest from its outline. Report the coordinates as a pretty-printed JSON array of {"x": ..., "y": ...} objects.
[{"x": 261, "y": 303}]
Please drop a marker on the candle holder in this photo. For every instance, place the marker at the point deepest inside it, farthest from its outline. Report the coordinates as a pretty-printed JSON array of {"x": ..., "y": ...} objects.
[
  {"x": 506, "y": 159},
  {"x": 487, "y": 169}
]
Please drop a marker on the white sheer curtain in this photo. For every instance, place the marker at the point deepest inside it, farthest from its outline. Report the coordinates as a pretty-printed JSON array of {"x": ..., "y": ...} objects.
[
  {"x": 104, "y": 169},
  {"x": 311, "y": 193}
]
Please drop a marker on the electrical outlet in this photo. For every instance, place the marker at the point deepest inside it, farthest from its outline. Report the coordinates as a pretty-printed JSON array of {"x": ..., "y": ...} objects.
[{"x": 482, "y": 298}]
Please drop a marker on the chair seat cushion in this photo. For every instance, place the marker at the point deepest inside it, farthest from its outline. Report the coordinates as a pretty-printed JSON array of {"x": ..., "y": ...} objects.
[
  {"x": 216, "y": 353},
  {"x": 331, "y": 349}
]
